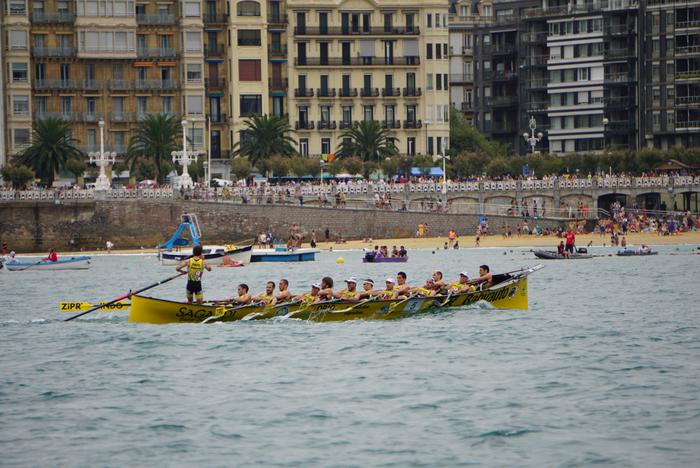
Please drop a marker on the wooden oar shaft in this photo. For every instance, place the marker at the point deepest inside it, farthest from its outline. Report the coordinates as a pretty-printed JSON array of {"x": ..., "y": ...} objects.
[{"x": 124, "y": 297}]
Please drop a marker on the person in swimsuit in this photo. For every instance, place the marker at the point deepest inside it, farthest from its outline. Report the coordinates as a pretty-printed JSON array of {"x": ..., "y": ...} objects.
[
  {"x": 195, "y": 266},
  {"x": 350, "y": 292}
]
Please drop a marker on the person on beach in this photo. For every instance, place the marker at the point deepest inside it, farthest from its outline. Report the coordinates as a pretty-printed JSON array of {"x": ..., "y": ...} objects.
[
  {"x": 195, "y": 266},
  {"x": 284, "y": 295},
  {"x": 267, "y": 297},
  {"x": 350, "y": 292}
]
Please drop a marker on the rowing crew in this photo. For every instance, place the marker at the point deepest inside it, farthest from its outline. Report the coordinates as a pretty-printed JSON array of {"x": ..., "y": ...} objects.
[{"x": 393, "y": 289}]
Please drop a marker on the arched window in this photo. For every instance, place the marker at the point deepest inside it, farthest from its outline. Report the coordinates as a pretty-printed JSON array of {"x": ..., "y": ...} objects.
[{"x": 248, "y": 8}]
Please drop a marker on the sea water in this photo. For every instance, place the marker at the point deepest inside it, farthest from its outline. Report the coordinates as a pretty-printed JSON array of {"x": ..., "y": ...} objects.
[{"x": 604, "y": 368}]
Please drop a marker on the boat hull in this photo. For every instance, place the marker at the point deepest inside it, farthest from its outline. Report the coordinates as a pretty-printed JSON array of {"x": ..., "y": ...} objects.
[
  {"x": 385, "y": 260},
  {"x": 73, "y": 263},
  {"x": 271, "y": 255},
  {"x": 511, "y": 294},
  {"x": 241, "y": 254},
  {"x": 552, "y": 255},
  {"x": 634, "y": 253}
]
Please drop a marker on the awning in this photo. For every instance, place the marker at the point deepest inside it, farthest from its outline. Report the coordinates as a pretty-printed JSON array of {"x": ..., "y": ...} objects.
[
  {"x": 367, "y": 48},
  {"x": 433, "y": 171},
  {"x": 410, "y": 48}
]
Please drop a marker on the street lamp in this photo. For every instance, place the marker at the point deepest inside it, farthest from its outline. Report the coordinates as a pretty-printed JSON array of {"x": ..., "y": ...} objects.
[
  {"x": 184, "y": 158},
  {"x": 101, "y": 160},
  {"x": 444, "y": 158},
  {"x": 533, "y": 138}
]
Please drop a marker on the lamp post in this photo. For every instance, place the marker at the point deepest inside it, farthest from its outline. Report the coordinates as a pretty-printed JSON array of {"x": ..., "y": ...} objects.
[
  {"x": 183, "y": 158},
  {"x": 444, "y": 158},
  {"x": 532, "y": 138},
  {"x": 101, "y": 160}
]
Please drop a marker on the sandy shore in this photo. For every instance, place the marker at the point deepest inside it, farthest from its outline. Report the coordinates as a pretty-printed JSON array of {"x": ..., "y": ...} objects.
[{"x": 691, "y": 238}]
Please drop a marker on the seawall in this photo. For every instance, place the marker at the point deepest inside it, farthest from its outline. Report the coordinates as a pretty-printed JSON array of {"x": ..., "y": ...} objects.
[{"x": 38, "y": 226}]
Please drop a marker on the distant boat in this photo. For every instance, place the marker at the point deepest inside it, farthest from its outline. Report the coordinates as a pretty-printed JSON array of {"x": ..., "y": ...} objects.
[
  {"x": 634, "y": 252},
  {"x": 72, "y": 263},
  {"x": 281, "y": 254},
  {"x": 554, "y": 255},
  {"x": 384, "y": 260},
  {"x": 213, "y": 254}
]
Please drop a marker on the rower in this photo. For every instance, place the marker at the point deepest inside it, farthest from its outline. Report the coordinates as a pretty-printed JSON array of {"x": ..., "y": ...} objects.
[
  {"x": 267, "y": 297},
  {"x": 195, "y": 270},
  {"x": 243, "y": 298},
  {"x": 284, "y": 295},
  {"x": 326, "y": 292},
  {"x": 437, "y": 279},
  {"x": 402, "y": 289},
  {"x": 309, "y": 297},
  {"x": 462, "y": 284},
  {"x": 428, "y": 289},
  {"x": 350, "y": 292},
  {"x": 53, "y": 256},
  {"x": 389, "y": 292},
  {"x": 485, "y": 278},
  {"x": 367, "y": 289}
]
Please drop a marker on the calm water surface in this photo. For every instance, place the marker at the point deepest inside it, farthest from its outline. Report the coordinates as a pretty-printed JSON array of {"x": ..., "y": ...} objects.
[{"x": 604, "y": 368}]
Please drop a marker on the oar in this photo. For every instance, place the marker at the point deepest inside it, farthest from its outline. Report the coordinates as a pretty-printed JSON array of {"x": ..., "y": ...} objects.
[
  {"x": 255, "y": 315},
  {"x": 68, "y": 307},
  {"x": 221, "y": 311},
  {"x": 303, "y": 309},
  {"x": 342, "y": 311},
  {"x": 391, "y": 308},
  {"x": 121, "y": 298},
  {"x": 29, "y": 266}
]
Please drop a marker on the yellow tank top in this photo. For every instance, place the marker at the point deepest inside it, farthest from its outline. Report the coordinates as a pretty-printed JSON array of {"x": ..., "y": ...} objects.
[
  {"x": 267, "y": 299},
  {"x": 195, "y": 269},
  {"x": 455, "y": 285},
  {"x": 348, "y": 295},
  {"x": 386, "y": 294},
  {"x": 307, "y": 299}
]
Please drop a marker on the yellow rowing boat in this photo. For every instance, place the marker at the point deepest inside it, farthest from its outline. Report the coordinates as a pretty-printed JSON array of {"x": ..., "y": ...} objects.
[{"x": 511, "y": 293}]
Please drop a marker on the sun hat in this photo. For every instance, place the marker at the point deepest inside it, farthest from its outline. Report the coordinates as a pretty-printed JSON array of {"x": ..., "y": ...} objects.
[
  {"x": 390, "y": 280},
  {"x": 351, "y": 280}
]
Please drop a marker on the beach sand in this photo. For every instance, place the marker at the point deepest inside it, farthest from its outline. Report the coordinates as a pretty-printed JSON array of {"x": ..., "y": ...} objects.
[{"x": 465, "y": 242}]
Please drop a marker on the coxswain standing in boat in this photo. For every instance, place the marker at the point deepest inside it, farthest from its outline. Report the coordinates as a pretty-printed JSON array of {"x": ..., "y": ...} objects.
[
  {"x": 350, "y": 292},
  {"x": 570, "y": 241},
  {"x": 267, "y": 297},
  {"x": 284, "y": 295},
  {"x": 485, "y": 278},
  {"x": 195, "y": 266}
]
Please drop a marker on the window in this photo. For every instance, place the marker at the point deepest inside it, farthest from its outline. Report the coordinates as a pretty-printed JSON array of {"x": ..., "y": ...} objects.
[
  {"x": 368, "y": 113},
  {"x": 428, "y": 51},
  {"x": 248, "y": 8},
  {"x": 91, "y": 138},
  {"x": 142, "y": 105},
  {"x": 249, "y": 70},
  {"x": 583, "y": 74},
  {"x": 429, "y": 82},
  {"x": 167, "y": 104},
  {"x": 66, "y": 105},
  {"x": 429, "y": 20},
  {"x": 117, "y": 71},
  {"x": 19, "y": 72},
  {"x": 194, "y": 72},
  {"x": 18, "y": 40},
  {"x": 347, "y": 114},
  {"x": 325, "y": 145},
  {"x": 411, "y": 146},
  {"x": 21, "y": 137},
  {"x": 248, "y": 37},
  {"x": 430, "y": 146},
  {"x": 119, "y": 141},
  {"x": 117, "y": 105},
  {"x": 40, "y": 105},
  {"x": 194, "y": 105},
  {"x": 251, "y": 104},
  {"x": 196, "y": 136},
  {"x": 20, "y": 105},
  {"x": 304, "y": 146},
  {"x": 90, "y": 105},
  {"x": 438, "y": 51},
  {"x": 17, "y": 8},
  {"x": 438, "y": 81},
  {"x": 193, "y": 41},
  {"x": 192, "y": 9},
  {"x": 325, "y": 114}
]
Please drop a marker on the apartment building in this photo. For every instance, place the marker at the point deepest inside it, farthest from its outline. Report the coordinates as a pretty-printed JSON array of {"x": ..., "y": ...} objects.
[
  {"x": 362, "y": 60},
  {"x": 465, "y": 16}
]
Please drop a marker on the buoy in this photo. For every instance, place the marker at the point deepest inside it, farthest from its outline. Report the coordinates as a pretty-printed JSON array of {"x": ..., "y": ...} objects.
[{"x": 340, "y": 260}]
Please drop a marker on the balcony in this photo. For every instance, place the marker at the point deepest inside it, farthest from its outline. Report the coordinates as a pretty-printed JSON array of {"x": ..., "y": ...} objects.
[
  {"x": 619, "y": 30},
  {"x": 688, "y": 24},
  {"x": 214, "y": 18},
  {"x": 299, "y": 125},
  {"x": 688, "y": 75},
  {"x": 349, "y": 31},
  {"x": 277, "y": 18},
  {"x": 214, "y": 50},
  {"x": 504, "y": 75},
  {"x": 412, "y": 124},
  {"x": 152, "y": 85},
  {"x": 347, "y": 124},
  {"x": 369, "y": 92},
  {"x": 60, "y": 85},
  {"x": 687, "y": 124},
  {"x": 502, "y": 101},
  {"x": 502, "y": 49},
  {"x": 215, "y": 83},
  {"x": 619, "y": 78},
  {"x": 119, "y": 117},
  {"x": 120, "y": 85},
  {"x": 687, "y": 100},
  {"x": 457, "y": 78},
  {"x": 67, "y": 116},
  {"x": 91, "y": 117},
  {"x": 155, "y": 20},
  {"x": 347, "y": 92},
  {"x": 391, "y": 124},
  {"x": 325, "y": 93},
  {"x": 93, "y": 85},
  {"x": 249, "y": 42},
  {"x": 499, "y": 127},
  {"x": 412, "y": 92},
  {"x": 356, "y": 61},
  {"x": 157, "y": 53},
  {"x": 277, "y": 50},
  {"x": 326, "y": 125},
  {"x": 688, "y": 50},
  {"x": 54, "y": 52},
  {"x": 278, "y": 83},
  {"x": 619, "y": 52},
  {"x": 391, "y": 92},
  {"x": 303, "y": 92},
  {"x": 466, "y": 106},
  {"x": 218, "y": 118},
  {"x": 61, "y": 17}
]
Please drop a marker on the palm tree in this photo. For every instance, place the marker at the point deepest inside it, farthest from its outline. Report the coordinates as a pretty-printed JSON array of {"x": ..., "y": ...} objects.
[
  {"x": 52, "y": 147},
  {"x": 266, "y": 135},
  {"x": 368, "y": 141},
  {"x": 155, "y": 139}
]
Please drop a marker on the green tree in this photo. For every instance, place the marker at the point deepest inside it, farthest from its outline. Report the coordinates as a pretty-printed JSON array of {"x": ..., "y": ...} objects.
[
  {"x": 353, "y": 165},
  {"x": 17, "y": 175},
  {"x": 368, "y": 141},
  {"x": 76, "y": 167},
  {"x": 50, "y": 150},
  {"x": 278, "y": 165},
  {"x": 155, "y": 139},
  {"x": 464, "y": 137},
  {"x": 241, "y": 167},
  {"x": 264, "y": 137},
  {"x": 498, "y": 167},
  {"x": 390, "y": 166}
]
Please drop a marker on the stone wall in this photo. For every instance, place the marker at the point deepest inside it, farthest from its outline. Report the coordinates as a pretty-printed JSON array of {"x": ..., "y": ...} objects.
[{"x": 38, "y": 226}]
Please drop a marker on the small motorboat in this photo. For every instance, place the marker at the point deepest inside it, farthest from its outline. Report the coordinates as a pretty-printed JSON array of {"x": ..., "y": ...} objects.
[
  {"x": 282, "y": 254},
  {"x": 554, "y": 255},
  {"x": 627, "y": 252},
  {"x": 369, "y": 259},
  {"x": 213, "y": 254},
  {"x": 72, "y": 263}
]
